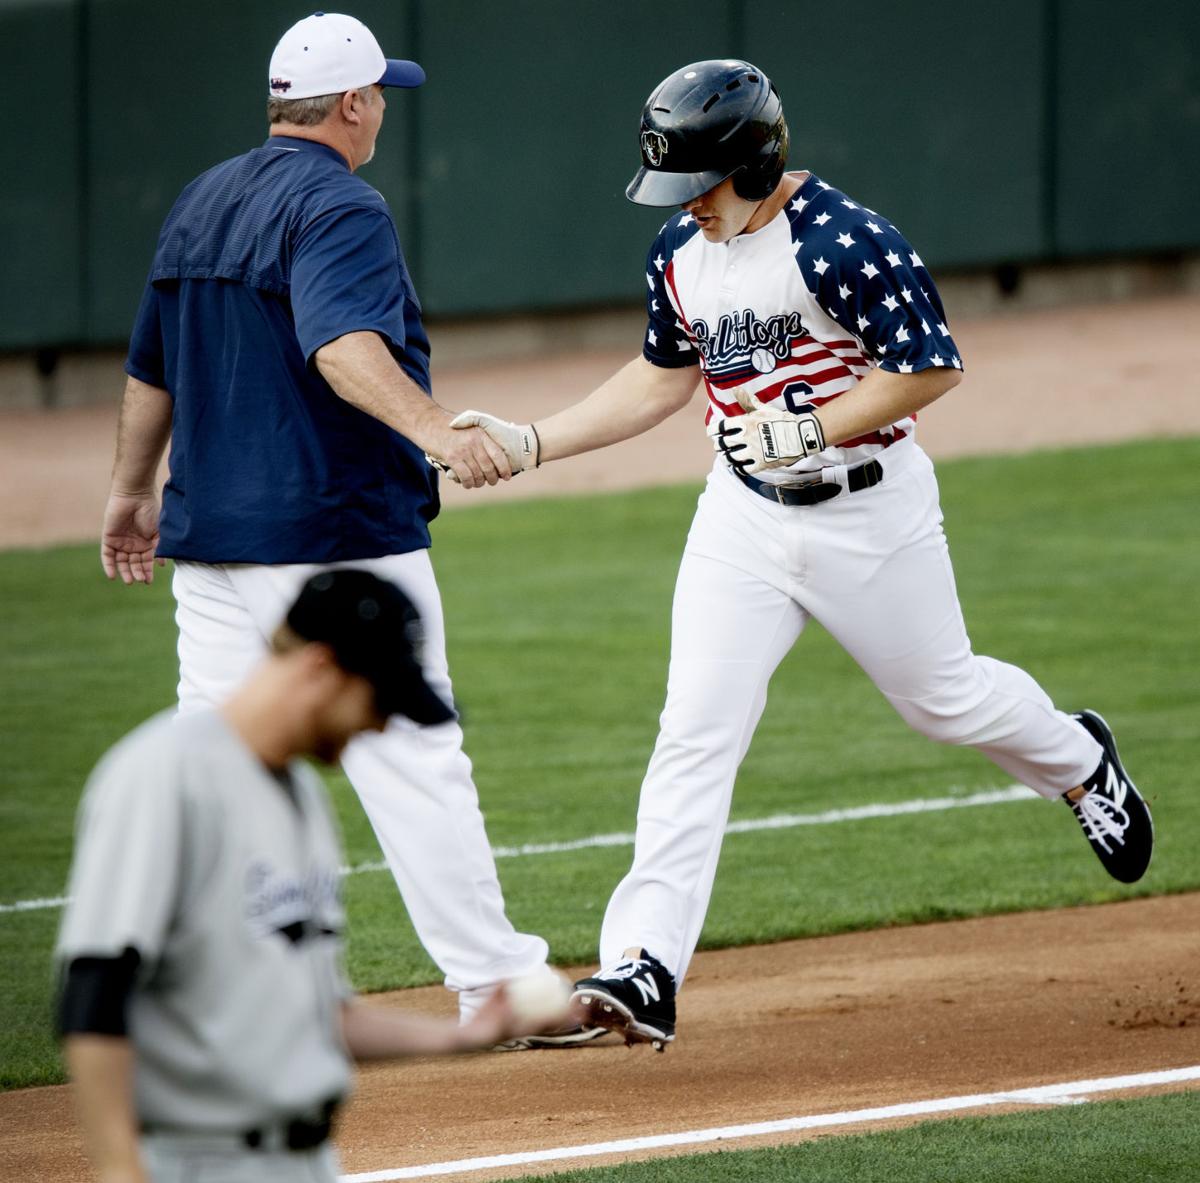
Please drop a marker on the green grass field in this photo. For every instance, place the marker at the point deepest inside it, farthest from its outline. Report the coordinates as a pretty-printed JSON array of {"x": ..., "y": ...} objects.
[
  {"x": 1152, "y": 1140},
  {"x": 1081, "y": 566}
]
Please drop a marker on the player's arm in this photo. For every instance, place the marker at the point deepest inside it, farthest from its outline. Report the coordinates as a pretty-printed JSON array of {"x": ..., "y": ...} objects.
[
  {"x": 882, "y": 294},
  {"x": 773, "y": 437},
  {"x": 882, "y": 398},
  {"x": 129, "y": 535},
  {"x": 101, "y": 1070},
  {"x": 93, "y": 1022},
  {"x": 360, "y": 368},
  {"x": 374, "y": 1032},
  {"x": 349, "y": 294},
  {"x": 636, "y": 398},
  {"x": 121, "y": 897},
  {"x": 890, "y": 304}
]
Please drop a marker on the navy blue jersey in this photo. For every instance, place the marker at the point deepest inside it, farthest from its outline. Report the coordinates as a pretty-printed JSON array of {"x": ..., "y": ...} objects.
[{"x": 262, "y": 260}]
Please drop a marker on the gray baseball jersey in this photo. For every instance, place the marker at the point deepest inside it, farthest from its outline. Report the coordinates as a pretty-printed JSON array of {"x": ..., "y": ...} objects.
[{"x": 225, "y": 880}]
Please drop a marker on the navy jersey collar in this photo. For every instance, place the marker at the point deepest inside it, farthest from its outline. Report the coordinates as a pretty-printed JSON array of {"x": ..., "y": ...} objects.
[{"x": 295, "y": 144}]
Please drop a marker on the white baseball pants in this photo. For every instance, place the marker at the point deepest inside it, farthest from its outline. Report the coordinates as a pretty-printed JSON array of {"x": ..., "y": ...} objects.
[
  {"x": 414, "y": 782},
  {"x": 873, "y": 568}
]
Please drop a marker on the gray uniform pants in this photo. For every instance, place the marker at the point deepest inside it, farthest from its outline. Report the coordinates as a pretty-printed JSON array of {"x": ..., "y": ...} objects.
[{"x": 212, "y": 1158}]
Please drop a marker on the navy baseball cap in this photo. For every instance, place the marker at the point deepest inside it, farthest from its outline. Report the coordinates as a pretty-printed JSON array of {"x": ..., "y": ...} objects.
[
  {"x": 330, "y": 53},
  {"x": 374, "y": 630}
]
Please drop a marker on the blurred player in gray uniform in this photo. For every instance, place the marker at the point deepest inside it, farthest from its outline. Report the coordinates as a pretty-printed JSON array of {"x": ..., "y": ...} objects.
[
  {"x": 817, "y": 335},
  {"x": 206, "y": 1016}
]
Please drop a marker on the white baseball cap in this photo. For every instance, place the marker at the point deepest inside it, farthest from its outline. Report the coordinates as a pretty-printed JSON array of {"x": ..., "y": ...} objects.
[{"x": 329, "y": 53}]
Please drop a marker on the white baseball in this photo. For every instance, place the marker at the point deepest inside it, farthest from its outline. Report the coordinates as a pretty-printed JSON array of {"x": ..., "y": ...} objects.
[
  {"x": 763, "y": 360},
  {"x": 539, "y": 1000}
]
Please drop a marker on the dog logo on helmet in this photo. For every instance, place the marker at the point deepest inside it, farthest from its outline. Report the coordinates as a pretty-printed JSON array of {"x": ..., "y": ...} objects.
[{"x": 654, "y": 147}]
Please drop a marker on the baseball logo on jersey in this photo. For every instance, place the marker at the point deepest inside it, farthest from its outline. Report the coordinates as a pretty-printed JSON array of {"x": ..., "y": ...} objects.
[{"x": 654, "y": 147}]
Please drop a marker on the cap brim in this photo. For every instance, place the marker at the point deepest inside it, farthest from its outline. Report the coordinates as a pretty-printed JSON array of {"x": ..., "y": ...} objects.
[
  {"x": 654, "y": 187},
  {"x": 426, "y": 708},
  {"x": 402, "y": 73},
  {"x": 414, "y": 698}
]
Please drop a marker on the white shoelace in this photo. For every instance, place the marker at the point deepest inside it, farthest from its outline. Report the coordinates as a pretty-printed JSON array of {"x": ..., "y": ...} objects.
[
  {"x": 624, "y": 969},
  {"x": 1102, "y": 819}
]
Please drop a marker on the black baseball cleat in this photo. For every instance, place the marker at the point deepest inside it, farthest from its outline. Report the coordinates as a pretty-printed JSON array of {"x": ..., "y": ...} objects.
[
  {"x": 635, "y": 998},
  {"x": 1113, "y": 814},
  {"x": 570, "y": 1036}
]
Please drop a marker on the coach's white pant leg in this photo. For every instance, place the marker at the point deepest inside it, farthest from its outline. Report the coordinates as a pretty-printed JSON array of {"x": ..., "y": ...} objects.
[
  {"x": 219, "y": 639},
  {"x": 732, "y": 623},
  {"x": 890, "y": 599},
  {"x": 416, "y": 787}
]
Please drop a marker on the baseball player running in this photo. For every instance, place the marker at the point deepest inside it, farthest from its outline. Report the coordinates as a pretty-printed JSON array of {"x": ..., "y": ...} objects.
[
  {"x": 279, "y": 346},
  {"x": 206, "y": 1016},
  {"x": 818, "y": 335}
]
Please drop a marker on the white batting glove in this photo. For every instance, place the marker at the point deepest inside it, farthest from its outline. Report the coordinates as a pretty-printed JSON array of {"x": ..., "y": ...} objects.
[
  {"x": 765, "y": 437},
  {"x": 519, "y": 440}
]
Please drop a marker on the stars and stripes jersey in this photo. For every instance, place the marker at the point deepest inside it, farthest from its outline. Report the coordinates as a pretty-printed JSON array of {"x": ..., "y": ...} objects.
[{"x": 796, "y": 313}]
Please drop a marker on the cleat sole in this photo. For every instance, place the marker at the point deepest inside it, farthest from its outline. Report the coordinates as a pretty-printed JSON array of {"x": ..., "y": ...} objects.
[{"x": 602, "y": 1011}]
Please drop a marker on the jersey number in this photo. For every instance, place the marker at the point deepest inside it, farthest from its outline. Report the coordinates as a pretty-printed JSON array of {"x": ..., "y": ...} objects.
[{"x": 788, "y": 397}]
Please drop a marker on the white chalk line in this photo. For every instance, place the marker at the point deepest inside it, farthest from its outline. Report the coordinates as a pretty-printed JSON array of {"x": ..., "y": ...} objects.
[
  {"x": 780, "y": 821},
  {"x": 1066, "y": 1093}
]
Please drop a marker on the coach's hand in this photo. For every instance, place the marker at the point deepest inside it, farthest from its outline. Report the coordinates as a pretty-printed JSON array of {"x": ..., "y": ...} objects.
[
  {"x": 519, "y": 441},
  {"x": 765, "y": 437},
  {"x": 471, "y": 458},
  {"x": 129, "y": 537}
]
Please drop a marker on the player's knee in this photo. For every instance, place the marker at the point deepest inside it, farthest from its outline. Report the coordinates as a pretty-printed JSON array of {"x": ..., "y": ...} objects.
[{"x": 947, "y": 723}]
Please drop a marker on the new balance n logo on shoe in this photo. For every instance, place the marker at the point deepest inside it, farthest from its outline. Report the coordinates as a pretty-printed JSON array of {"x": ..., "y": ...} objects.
[
  {"x": 647, "y": 988},
  {"x": 1115, "y": 787},
  {"x": 635, "y": 998}
]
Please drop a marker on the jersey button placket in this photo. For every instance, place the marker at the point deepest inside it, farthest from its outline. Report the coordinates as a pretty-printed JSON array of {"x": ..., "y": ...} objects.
[{"x": 729, "y": 278}]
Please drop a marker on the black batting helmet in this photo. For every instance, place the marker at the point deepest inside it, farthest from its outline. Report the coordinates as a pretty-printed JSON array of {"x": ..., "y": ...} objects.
[{"x": 706, "y": 122}]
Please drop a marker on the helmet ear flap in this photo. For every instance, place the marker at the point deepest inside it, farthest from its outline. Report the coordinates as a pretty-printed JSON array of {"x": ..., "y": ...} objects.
[{"x": 757, "y": 181}]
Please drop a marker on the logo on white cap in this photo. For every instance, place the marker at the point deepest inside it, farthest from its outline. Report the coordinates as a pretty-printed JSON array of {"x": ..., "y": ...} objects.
[{"x": 328, "y": 53}]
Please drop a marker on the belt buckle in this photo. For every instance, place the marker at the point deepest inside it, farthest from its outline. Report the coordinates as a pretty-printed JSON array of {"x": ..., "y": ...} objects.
[
  {"x": 815, "y": 489},
  {"x": 780, "y": 490}
]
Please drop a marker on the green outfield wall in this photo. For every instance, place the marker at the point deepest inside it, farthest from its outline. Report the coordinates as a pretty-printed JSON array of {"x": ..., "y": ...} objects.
[{"x": 1031, "y": 131}]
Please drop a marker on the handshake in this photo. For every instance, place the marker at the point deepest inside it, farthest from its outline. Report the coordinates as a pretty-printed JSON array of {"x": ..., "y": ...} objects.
[
  {"x": 519, "y": 442},
  {"x": 765, "y": 437}
]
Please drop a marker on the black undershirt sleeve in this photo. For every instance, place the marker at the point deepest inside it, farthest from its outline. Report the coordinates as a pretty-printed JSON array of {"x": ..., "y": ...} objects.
[{"x": 94, "y": 996}]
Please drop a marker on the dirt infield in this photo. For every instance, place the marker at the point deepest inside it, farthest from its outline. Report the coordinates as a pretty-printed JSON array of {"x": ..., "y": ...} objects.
[
  {"x": 807, "y": 1027},
  {"x": 774, "y": 1032}
]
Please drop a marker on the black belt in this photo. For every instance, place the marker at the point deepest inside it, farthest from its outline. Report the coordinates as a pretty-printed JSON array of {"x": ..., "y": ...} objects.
[
  {"x": 300, "y": 1133},
  {"x": 297, "y": 1133},
  {"x": 815, "y": 490}
]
